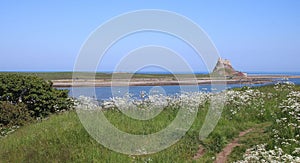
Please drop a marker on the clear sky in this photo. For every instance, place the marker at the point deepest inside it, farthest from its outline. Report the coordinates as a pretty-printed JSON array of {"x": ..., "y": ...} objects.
[{"x": 256, "y": 35}]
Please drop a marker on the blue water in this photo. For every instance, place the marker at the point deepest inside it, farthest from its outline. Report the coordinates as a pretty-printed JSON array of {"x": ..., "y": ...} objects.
[
  {"x": 274, "y": 73},
  {"x": 103, "y": 93},
  {"x": 295, "y": 81}
]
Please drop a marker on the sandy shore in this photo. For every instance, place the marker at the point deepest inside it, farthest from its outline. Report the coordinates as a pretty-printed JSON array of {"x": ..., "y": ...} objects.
[{"x": 259, "y": 79}]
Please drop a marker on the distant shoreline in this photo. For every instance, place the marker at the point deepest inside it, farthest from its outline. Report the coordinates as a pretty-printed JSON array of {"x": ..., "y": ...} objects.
[
  {"x": 257, "y": 79},
  {"x": 64, "y": 79}
]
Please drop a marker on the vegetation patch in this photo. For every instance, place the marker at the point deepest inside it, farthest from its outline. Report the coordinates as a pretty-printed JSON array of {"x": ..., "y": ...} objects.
[
  {"x": 24, "y": 98},
  {"x": 270, "y": 111}
]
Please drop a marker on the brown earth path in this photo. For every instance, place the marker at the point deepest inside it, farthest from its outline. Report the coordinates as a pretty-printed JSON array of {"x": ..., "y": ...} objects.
[
  {"x": 200, "y": 152},
  {"x": 222, "y": 156}
]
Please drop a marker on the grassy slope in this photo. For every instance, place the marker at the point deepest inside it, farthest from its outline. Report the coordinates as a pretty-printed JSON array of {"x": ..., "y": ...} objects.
[{"x": 62, "y": 138}]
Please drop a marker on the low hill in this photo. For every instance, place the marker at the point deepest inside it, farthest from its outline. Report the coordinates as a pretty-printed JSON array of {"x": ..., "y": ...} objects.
[{"x": 224, "y": 67}]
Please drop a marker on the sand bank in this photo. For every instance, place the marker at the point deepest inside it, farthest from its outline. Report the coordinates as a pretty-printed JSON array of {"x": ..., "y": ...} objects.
[{"x": 163, "y": 81}]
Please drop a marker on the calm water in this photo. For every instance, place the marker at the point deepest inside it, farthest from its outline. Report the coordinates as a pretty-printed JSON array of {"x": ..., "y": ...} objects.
[{"x": 103, "y": 93}]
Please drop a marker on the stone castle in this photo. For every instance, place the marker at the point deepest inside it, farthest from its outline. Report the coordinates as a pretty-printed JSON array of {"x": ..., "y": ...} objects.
[{"x": 224, "y": 67}]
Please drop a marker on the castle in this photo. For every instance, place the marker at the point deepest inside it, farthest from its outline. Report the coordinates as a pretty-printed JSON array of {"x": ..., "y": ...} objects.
[
  {"x": 224, "y": 67},
  {"x": 225, "y": 61}
]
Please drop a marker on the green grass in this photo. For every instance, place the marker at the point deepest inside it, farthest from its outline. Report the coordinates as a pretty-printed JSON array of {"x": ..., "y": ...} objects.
[{"x": 62, "y": 138}]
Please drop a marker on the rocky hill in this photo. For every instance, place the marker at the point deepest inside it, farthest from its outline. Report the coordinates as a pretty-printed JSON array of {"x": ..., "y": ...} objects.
[{"x": 224, "y": 67}]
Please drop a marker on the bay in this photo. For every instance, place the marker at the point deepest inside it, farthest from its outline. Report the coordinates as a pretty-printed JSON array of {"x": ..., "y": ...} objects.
[{"x": 103, "y": 93}]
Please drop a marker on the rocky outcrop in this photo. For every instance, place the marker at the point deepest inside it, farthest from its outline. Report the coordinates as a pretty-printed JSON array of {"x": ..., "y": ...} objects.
[{"x": 224, "y": 68}]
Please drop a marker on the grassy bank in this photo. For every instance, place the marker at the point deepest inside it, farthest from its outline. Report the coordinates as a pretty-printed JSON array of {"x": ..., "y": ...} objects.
[{"x": 62, "y": 138}]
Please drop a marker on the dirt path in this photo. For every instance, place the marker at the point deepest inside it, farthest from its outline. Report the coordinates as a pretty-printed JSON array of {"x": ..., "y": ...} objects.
[
  {"x": 222, "y": 156},
  {"x": 199, "y": 153}
]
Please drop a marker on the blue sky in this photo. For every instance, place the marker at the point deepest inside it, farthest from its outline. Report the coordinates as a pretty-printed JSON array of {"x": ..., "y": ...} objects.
[{"x": 47, "y": 35}]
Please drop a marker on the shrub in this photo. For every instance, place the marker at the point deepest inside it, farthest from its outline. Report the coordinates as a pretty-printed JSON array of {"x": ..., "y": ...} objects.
[
  {"x": 13, "y": 115},
  {"x": 37, "y": 94}
]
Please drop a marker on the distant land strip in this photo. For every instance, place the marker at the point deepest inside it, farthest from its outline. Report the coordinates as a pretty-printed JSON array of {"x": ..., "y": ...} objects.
[
  {"x": 64, "y": 79},
  {"x": 157, "y": 82}
]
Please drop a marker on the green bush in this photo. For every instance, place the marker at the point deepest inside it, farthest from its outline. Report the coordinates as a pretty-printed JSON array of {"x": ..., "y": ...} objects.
[
  {"x": 13, "y": 115},
  {"x": 38, "y": 95}
]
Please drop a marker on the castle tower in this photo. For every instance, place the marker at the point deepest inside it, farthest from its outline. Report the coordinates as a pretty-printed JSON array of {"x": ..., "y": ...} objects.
[{"x": 224, "y": 66}]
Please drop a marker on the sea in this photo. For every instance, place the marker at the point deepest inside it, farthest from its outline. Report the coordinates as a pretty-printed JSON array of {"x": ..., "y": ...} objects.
[{"x": 105, "y": 93}]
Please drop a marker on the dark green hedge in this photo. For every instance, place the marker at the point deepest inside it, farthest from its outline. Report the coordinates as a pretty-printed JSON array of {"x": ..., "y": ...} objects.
[
  {"x": 13, "y": 115},
  {"x": 37, "y": 95}
]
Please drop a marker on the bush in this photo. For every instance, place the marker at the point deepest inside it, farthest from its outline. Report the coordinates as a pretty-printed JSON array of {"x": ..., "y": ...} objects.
[
  {"x": 38, "y": 95},
  {"x": 13, "y": 115}
]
